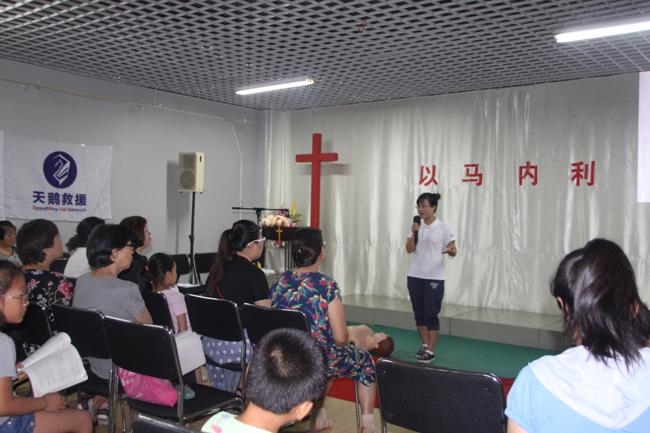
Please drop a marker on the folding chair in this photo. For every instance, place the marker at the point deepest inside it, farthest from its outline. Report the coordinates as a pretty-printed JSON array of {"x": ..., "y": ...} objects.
[
  {"x": 258, "y": 320},
  {"x": 182, "y": 264},
  {"x": 203, "y": 262},
  {"x": 432, "y": 399},
  {"x": 219, "y": 319},
  {"x": 144, "y": 424},
  {"x": 158, "y": 307},
  {"x": 34, "y": 329},
  {"x": 151, "y": 350},
  {"x": 86, "y": 331}
]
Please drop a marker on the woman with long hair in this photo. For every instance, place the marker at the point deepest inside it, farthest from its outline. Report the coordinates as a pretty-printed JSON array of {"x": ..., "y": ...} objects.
[
  {"x": 602, "y": 384},
  {"x": 235, "y": 277}
]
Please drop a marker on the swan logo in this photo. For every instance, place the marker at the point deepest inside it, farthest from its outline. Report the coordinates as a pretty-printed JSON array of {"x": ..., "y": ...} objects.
[{"x": 60, "y": 169}]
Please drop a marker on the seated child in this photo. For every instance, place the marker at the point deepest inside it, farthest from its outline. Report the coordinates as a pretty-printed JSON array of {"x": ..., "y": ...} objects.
[
  {"x": 47, "y": 414},
  {"x": 285, "y": 378},
  {"x": 160, "y": 276}
]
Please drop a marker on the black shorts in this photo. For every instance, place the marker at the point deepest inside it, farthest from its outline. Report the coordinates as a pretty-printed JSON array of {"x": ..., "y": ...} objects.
[{"x": 426, "y": 299}]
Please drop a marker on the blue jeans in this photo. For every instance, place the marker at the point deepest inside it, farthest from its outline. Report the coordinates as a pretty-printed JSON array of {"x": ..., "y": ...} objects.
[
  {"x": 18, "y": 424},
  {"x": 426, "y": 299}
]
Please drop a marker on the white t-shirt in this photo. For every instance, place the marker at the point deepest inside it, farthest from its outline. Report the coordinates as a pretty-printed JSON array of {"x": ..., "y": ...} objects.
[
  {"x": 77, "y": 264},
  {"x": 427, "y": 262}
]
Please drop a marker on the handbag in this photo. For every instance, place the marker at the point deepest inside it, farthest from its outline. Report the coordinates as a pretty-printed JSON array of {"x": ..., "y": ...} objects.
[{"x": 147, "y": 388}]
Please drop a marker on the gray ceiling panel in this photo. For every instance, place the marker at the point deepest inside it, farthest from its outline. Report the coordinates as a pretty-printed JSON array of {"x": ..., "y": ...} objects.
[{"x": 356, "y": 51}]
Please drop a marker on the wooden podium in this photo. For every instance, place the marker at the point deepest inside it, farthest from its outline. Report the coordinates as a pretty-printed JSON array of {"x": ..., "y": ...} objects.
[{"x": 282, "y": 234}]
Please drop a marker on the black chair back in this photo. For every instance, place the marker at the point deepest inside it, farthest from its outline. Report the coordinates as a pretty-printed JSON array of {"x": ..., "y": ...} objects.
[
  {"x": 182, "y": 264},
  {"x": 151, "y": 350},
  {"x": 158, "y": 307},
  {"x": 214, "y": 318},
  {"x": 218, "y": 318},
  {"x": 144, "y": 424},
  {"x": 144, "y": 349},
  {"x": 35, "y": 327},
  {"x": 258, "y": 320},
  {"x": 204, "y": 261},
  {"x": 432, "y": 399},
  {"x": 85, "y": 328},
  {"x": 58, "y": 265}
]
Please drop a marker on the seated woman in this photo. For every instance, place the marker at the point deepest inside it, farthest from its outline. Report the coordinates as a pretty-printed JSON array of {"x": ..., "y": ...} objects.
[
  {"x": 39, "y": 244},
  {"x": 77, "y": 263},
  {"x": 140, "y": 228},
  {"x": 319, "y": 297},
  {"x": 602, "y": 384},
  {"x": 8, "y": 242},
  {"x": 109, "y": 250},
  {"x": 234, "y": 277}
]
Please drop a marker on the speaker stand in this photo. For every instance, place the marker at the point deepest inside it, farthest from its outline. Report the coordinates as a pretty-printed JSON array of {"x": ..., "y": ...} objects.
[{"x": 195, "y": 278}]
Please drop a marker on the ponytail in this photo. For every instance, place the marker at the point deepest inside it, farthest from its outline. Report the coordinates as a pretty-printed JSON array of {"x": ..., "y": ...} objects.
[
  {"x": 225, "y": 256},
  {"x": 232, "y": 240},
  {"x": 153, "y": 273},
  {"x": 145, "y": 279}
]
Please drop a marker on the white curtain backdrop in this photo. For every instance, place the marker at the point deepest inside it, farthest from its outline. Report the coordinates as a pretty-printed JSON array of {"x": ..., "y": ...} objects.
[{"x": 510, "y": 237}]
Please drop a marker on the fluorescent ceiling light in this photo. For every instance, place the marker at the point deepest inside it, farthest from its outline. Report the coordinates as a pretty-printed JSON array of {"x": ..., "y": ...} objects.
[
  {"x": 275, "y": 85},
  {"x": 603, "y": 30}
]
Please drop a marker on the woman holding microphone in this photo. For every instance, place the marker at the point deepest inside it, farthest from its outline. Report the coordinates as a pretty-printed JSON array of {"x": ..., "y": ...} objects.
[{"x": 430, "y": 239}]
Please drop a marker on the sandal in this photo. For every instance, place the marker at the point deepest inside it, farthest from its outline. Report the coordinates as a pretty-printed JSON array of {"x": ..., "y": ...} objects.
[{"x": 102, "y": 414}]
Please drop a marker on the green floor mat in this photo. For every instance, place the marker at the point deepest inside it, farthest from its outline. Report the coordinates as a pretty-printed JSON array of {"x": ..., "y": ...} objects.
[{"x": 503, "y": 360}]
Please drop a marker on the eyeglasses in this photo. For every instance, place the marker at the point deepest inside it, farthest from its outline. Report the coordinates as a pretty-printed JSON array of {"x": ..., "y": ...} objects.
[
  {"x": 130, "y": 244},
  {"x": 22, "y": 298},
  {"x": 260, "y": 240}
]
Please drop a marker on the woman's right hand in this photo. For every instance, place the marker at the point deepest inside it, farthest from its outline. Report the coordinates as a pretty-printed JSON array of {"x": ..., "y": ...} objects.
[{"x": 54, "y": 402}]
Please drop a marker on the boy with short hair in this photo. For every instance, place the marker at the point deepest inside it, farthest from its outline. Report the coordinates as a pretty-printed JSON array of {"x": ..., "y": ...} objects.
[{"x": 285, "y": 378}]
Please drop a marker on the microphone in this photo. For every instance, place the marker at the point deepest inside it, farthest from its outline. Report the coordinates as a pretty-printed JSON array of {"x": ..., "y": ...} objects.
[{"x": 416, "y": 220}]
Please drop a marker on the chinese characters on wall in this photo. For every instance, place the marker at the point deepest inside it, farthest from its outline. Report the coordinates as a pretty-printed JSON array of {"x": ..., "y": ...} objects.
[{"x": 581, "y": 173}]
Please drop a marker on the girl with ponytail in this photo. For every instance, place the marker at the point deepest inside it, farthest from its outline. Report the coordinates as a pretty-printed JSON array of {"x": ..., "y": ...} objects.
[{"x": 160, "y": 276}]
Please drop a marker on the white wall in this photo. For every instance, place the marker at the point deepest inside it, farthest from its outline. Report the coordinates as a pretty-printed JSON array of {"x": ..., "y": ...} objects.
[{"x": 147, "y": 130}]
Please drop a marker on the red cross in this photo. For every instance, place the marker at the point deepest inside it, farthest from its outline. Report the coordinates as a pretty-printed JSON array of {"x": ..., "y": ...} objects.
[{"x": 316, "y": 157}]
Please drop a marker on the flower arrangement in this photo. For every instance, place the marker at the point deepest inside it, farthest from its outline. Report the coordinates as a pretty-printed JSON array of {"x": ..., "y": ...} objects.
[
  {"x": 282, "y": 219},
  {"x": 273, "y": 220}
]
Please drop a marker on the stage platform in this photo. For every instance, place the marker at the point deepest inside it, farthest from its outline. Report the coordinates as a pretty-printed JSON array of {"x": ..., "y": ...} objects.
[{"x": 541, "y": 331}]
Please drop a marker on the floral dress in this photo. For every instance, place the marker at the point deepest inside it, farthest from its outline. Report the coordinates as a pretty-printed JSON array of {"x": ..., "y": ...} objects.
[
  {"x": 311, "y": 293},
  {"x": 47, "y": 288}
]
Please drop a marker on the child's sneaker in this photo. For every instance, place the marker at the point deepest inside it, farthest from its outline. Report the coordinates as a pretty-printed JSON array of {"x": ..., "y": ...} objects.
[
  {"x": 421, "y": 351},
  {"x": 102, "y": 414},
  {"x": 427, "y": 357}
]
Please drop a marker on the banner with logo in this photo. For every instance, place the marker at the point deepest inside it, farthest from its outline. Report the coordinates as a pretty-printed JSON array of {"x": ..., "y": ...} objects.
[{"x": 59, "y": 182}]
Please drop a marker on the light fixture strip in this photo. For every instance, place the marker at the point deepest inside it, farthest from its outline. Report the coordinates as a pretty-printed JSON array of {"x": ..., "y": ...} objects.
[
  {"x": 603, "y": 31},
  {"x": 276, "y": 85}
]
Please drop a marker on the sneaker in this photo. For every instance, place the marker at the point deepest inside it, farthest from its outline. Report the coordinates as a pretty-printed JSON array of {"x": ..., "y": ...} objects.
[
  {"x": 427, "y": 357},
  {"x": 421, "y": 351},
  {"x": 102, "y": 415}
]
